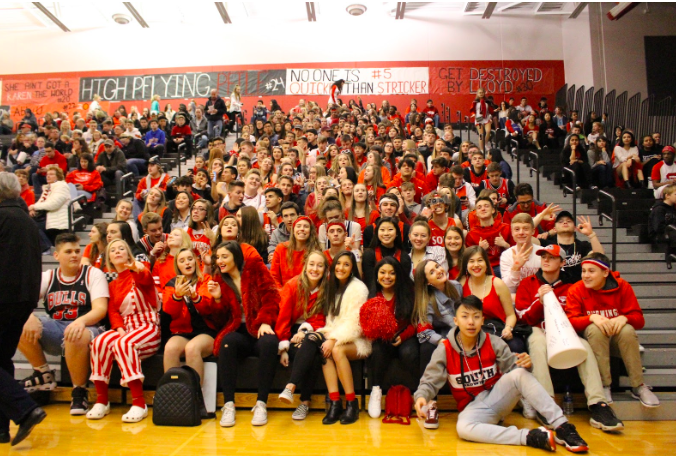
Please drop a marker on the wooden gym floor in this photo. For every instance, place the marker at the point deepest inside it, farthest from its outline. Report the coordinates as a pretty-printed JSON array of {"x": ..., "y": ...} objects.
[{"x": 60, "y": 434}]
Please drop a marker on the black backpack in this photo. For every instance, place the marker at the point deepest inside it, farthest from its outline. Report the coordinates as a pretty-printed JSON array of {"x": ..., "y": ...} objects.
[{"x": 178, "y": 399}]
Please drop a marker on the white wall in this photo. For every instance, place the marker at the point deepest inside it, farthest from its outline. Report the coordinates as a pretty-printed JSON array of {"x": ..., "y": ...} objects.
[
  {"x": 577, "y": 50},
  {"x": 618, "y": 46},
  {"x": 420, "y": 37}
]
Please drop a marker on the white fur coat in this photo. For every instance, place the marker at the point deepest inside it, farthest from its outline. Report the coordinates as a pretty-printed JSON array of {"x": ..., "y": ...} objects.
[{"x": 345, "y": 327}]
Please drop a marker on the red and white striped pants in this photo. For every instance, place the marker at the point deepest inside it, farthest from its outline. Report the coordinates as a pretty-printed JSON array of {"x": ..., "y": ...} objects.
[{"x": 128, "y": 350}]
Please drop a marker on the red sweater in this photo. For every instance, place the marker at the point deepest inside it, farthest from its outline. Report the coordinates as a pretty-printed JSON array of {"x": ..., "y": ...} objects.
[
  {"x": 90, "y": 180},
  {"x": 528, "y": 306},
  {"x": 28, "y": 195},
  {"x": 282, "y": 270},
  {"x": 57, "y": 159},
  {"x": 490, "y": 233},
  {"x": 290, "y": 313},
  {"x": 180, "y": 132},
  {"x": 618, "y": 300},
  {"x": 179, "y": 313}
]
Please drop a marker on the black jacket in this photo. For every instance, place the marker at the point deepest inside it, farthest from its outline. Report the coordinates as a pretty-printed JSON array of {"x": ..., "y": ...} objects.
[
  {"x": 219, "y": 104},
  {"x": 21, "y": 268},
  {"x": 661, "y": 216},
  {"x": 135, "y": 149}
]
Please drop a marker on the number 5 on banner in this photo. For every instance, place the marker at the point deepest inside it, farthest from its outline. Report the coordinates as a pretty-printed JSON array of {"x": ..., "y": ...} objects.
[{"x": 388, "y": 73}]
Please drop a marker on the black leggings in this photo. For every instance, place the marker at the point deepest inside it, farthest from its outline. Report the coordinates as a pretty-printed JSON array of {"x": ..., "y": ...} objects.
[
  {"x": 383, "y": 353},
  {"x": 240, "y": 344},
  {"x": 307, "y": 360}
]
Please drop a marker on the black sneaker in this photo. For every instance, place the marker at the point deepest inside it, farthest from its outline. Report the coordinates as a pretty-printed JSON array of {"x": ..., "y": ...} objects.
[
  {"x": 80, "y": 401},
  {"x": 543, "y": 421},
  {"x": 541, "y": 438},
  {"x": 603, "y": 417},
  {"x": 39, "y": 381},
  {"x": 567, "y": 435}
]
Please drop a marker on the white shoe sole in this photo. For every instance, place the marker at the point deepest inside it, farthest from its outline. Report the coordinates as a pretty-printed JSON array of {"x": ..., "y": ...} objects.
[
  {"x": 286, "y": 399},
  {"x": 259, "y": 423},
  {"x": 638, "y": 398},
  {"x": 129, "y": 418},
  {"x": 598, "y": 425},
  {"x": 227, "y": 425},
  {"x": 431, "y": 426}
]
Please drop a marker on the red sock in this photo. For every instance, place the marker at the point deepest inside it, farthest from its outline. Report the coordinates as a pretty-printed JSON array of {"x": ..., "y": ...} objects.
[
  {"x": 334, "y": 396},
  {"x": 350, "y": 397},
  {"x": 136, "y": 388},
  {"x": 101, "y": 392}
]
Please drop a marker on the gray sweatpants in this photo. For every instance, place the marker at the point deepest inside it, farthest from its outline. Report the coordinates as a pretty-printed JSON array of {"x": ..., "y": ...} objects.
[{"x": 479, "y": 421}]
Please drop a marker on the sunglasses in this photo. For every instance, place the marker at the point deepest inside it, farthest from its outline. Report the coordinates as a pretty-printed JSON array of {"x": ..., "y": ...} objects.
[{"x": 436, "y": 201}]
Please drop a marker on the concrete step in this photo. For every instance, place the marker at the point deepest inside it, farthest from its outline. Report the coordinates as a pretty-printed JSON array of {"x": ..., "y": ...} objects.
[
  {"x": 627, "y": 267},
  {"x": 629, "y": 409},
  {"x": 632, "y": 257},
  {"x": 659, "y": 320},
  {"x": 627, "y": 248},
  {"x": 652, "y": 291},
  {"x": 657, "y": 302},
  {"x": 657, "y": 336},
  {"x": 654, "y": 277},
  {"x": 659, "y": 358},
  {"x": 662, "y": 378}
]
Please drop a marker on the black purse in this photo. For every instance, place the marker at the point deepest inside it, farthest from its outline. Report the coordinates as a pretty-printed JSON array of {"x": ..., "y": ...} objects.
[{"x": 495, "y": 327}]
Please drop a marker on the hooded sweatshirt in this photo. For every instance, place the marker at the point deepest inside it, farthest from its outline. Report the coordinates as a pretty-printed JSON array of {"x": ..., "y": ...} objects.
[
  {"x": 614, "y": 299},
  {"x": 529, "y": 309}
]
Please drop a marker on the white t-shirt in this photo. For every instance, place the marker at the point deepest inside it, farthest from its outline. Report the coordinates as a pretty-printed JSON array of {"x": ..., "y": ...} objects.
[{"x": 513, "y": 279}]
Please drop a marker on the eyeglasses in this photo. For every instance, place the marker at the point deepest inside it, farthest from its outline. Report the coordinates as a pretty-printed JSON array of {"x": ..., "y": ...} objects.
[
  {"x": 346, "y": 151},
  {"x": 436, "y": 201},
  {"x": 525, "y": 203},
  {"x": 199, "y": 209}
]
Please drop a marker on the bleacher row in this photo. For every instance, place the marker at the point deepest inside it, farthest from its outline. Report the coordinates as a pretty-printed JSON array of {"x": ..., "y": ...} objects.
[{"x": 640, "y": 262}]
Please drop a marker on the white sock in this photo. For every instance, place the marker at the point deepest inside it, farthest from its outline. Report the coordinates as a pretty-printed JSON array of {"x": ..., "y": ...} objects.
[{"x": 42, "y": 369}]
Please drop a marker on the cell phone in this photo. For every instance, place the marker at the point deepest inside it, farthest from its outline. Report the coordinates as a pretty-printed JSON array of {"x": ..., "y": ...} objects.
[{"x": 180, "y": 279}]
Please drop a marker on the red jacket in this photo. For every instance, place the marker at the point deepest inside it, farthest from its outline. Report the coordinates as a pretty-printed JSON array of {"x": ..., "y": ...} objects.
[
  {"x": 90, "y": 180},
  {"x": 432, "y": 182},
  {"x": 213, "y": 314},
  {"x": 290, "y": 313},
  {"x": 282, "y": 270},
  {"x": 419, "y": 185},
  {"x": 181, "y": 132},
  {"x": 28, "y": 196},
  {"x": 535, "y": 209},
  {"x": 490, "y": 233},
  {"x": 58, "y": 159},
  {"x": 160, "y": 182},
  {"x": 260, "y": 301},
  {"x": 529, "y": 309},
  {"x": 618, "y": 300}
]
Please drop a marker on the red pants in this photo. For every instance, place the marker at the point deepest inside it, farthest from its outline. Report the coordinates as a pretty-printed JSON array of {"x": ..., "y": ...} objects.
[{"x": 128, "y": 350}]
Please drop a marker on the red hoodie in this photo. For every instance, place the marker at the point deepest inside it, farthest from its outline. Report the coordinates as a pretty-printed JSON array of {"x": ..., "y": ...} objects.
[
  {"x": 419, "y": 185},
  {"x": 618, "y": 300},
  {"x": 529, "y": 309},
  {"x": 90, "y": 180},
  {"x": 490, "y": 233}
]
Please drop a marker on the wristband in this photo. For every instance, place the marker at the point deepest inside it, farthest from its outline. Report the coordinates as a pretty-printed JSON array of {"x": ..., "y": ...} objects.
[
  {"x": 511, "y": 328},
  {"x": 591, "y": 236}
]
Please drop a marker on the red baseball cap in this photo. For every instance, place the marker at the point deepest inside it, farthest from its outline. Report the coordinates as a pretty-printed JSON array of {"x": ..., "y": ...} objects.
[{"x": 554, "y": 250}]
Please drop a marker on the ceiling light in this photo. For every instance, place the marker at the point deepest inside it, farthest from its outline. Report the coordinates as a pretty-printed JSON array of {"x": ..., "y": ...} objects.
[
  {"x": 356, "y": 10},
  {"x": 121, "y": 19}
]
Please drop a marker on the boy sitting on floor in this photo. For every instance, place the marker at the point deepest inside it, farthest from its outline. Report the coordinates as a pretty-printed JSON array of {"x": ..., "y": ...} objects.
[{"x": 481, "y": 366}]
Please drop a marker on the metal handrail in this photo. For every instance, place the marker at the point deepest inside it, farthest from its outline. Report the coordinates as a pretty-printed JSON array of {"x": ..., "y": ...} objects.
[
  {"x": 613, "y": 218},
  {"x": 122, "y": 191},
  {"x": 71, "y": 222},
  {"x": 535, "y": 169},
  {"x": 180, "y": 159},
  {"x": 572, "y": 190},
  {"x": 460, "y": 124}
]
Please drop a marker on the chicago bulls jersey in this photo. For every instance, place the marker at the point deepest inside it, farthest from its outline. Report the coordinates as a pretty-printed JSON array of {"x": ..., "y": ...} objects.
[
  {"x": 68, "y": 300},
  {"x": 502, "y": 189}
]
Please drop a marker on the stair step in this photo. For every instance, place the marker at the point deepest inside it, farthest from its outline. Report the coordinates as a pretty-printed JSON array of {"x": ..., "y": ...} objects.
[
  {"x": 652, "y": 291},
  {"x": 639, "y": 257},
  {"x": 661, "y": 320},
  {"x": 659, "y": 358},
  {"x": 657, "y": 336},
  {"x": 660, "y": 378},
  {"x": 657, "y": 302},
  {"x": 629, "y": 409},
  {"x": 636, "y": 278}
]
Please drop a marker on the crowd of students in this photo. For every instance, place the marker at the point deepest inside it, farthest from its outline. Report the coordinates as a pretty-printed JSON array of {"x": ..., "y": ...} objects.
[{"x": 273, "y": 248}]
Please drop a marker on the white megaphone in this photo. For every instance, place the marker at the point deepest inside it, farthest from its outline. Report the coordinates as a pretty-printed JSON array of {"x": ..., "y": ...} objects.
[{"x": 564, "y": 349}]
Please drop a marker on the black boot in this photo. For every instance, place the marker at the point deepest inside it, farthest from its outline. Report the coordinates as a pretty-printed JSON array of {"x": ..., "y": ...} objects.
[
  {"x": 334, "y": 413},
  {"x": 351, "y": 413}
]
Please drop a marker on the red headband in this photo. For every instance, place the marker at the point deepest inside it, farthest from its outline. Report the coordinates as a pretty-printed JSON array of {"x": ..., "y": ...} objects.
[
  {"x": 598, "y": 263},
  {"x": 336, "y": 223},
  {"x": 301, "y": 218}
]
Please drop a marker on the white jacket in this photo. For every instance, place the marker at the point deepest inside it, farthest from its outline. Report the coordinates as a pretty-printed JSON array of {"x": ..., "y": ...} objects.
[
  {"x": 345, "y": 327},
  {"x": 54, "y": 200}
]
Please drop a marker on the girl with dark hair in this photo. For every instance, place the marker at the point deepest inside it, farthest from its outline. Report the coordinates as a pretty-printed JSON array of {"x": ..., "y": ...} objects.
[
  {"x": 477, "y": 279},
  {"x": 395, "y": 289},
  {"x": 246, "y": 289},
  {"x": 179, "y": 217},
  {"x": 289, "y": 256},
  {"x": 122, "y": 230},
  {"x": 619, "y": 129},
  {"x": 274, "y": 106},
  {"x": 627, "y": 161},
  {"x": 342, "y": 339},
  {"x": 95, "y": 252},
  {"x": 496, "y": 157},
  {"x": 334, "y": 92},
  {"x": 347, "y": 172},
  {"x": 85, "y": 180},
  {"x": 454, "y": 243},
  {"x": 600, "y": 163},
  {"x": 435, "y": 298},
  {"x": 200, "y": 228},
  {"x": 301, "y": 314},
  {"x": 575, "y": 157},
  {"x": 386, "y": 242},
  {"x": 251, "y": 231},
  {"x": 201, "y": 186}
]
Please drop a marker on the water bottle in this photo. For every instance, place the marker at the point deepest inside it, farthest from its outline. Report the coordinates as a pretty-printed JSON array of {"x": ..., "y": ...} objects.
[{"x": 568, "y": 402}]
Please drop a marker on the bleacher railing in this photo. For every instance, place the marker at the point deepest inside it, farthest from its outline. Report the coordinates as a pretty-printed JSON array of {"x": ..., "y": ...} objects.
[
  {"x": 642, "y": 115},
  {"x": 72, "y": 222},
  {"x": 572, "y": 189},
  {"x": 535, "y": 158},
  {"x": 613, "y": 219}
]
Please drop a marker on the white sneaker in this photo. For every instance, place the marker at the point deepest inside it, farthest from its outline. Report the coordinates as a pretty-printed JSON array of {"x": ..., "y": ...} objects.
[
  {"x": 608, "y": 394},
  {"x": 98, "y": 411},
  {"x": 228, "y": 417},
  {"x": 301, "y": 412},
  {"x": 375, "y": 402},
  {"x": 286, "y": 396},
  {"x": 135, "y": 414},
  {"x": 527, "y": 410},
  {"x": 260, "y": 412},
  {"x": 647, "y": 397}
]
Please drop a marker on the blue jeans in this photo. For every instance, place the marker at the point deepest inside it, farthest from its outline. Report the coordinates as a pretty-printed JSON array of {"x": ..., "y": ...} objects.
[
  {"x": 74, "y": 192},
  {"x": 51, "y": 340},
  {"x": 137, "y": 166},
  {"x": 214, "y": 128}
]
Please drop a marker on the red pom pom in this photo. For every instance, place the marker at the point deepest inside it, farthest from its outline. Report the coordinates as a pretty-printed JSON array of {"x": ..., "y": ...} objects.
[{"x": 377, "y": 320}]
